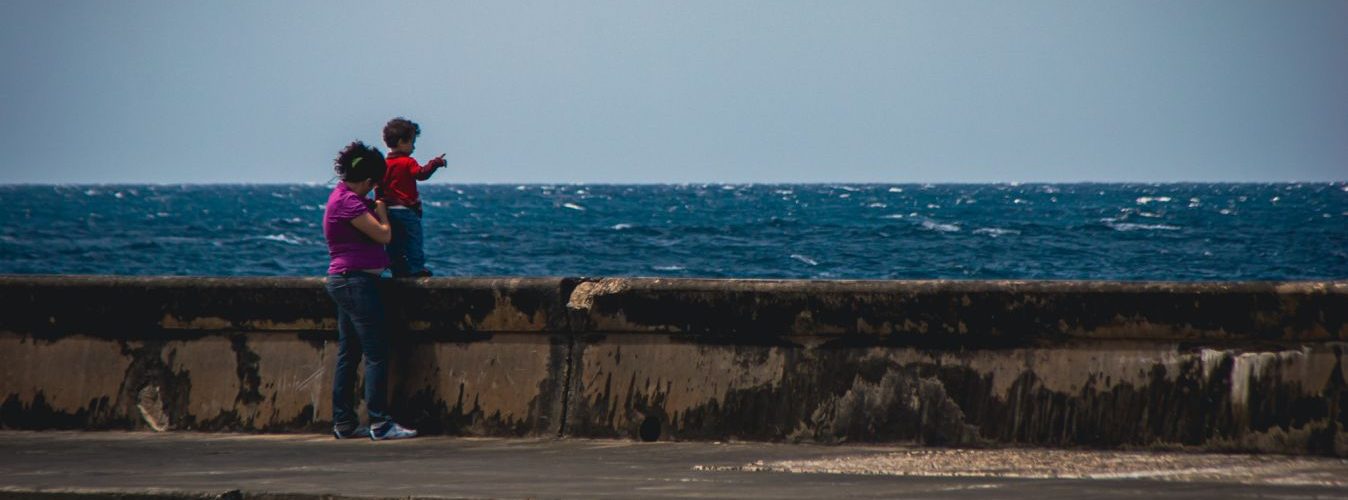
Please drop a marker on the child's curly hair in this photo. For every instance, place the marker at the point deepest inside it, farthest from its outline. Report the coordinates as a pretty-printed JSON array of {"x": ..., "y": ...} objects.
[
  {"x": 399, "y": 129},
  {"x": 358, "y": 162}
]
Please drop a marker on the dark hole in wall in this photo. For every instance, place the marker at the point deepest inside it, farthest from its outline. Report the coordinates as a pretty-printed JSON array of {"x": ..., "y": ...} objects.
[{"x": 650, "y": 429}]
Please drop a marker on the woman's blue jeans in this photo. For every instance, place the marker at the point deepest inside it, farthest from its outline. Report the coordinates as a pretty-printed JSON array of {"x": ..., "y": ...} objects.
[{"x": 360, "y": 330}]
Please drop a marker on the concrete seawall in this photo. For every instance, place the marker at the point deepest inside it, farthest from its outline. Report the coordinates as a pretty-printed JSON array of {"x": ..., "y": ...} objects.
[{"x": 1218, "y": 366}]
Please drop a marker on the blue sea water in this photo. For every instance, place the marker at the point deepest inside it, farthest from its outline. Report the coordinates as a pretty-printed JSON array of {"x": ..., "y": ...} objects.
[{"x": 1173, "y": 232}]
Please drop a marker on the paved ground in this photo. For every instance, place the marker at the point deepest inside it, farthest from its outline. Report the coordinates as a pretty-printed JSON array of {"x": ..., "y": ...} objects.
[{"x": 181, "y": 465}]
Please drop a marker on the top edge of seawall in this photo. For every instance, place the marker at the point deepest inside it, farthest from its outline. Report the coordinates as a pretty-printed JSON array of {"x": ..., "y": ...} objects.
[
  {"x": 650, "y": 282},
  {"x": 962, "y": 313}
]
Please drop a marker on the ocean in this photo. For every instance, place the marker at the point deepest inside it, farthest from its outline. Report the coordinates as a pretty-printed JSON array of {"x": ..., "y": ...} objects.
[{"x": 1169, "y": 232}]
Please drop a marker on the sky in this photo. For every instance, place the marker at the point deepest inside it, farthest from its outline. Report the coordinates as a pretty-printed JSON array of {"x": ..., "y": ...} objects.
[{"x": 633, "y": 91}]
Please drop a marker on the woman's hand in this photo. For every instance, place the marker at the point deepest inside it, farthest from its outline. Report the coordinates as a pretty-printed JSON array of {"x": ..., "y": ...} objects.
[
  {"x": 381, "y": 210},
  {"x": 375, "y": 225}
]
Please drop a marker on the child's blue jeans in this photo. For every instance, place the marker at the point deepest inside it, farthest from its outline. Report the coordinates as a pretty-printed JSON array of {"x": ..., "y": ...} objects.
[
  {"x": 404, "y": 249},
  {"x": 360, "y": 330}
]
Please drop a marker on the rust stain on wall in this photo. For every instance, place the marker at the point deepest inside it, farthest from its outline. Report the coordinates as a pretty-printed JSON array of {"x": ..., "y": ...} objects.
[{"x": 508, "y": 318}]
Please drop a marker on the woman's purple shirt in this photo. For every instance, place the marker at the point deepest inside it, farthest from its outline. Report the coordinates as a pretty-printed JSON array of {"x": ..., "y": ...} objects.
[{"x": 350, "y": 249}]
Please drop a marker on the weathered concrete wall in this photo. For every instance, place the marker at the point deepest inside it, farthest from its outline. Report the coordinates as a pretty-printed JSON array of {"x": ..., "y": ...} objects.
[
  {"x": 477, "y": 356},
  {"x": 1090, "y": 394},
  {"x": 1243, "y": 366}
]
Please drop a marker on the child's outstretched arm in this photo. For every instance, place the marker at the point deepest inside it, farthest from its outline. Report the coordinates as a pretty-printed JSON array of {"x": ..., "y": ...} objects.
[{"x": 431, "y": 166}]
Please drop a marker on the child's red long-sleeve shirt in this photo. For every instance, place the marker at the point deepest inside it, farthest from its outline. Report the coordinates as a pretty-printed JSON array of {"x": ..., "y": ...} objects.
[{"x": 400, "y": 181}]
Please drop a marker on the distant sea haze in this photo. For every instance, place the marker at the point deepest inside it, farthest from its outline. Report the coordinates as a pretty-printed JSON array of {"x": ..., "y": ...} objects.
[{"x": 1168, "y": 232}]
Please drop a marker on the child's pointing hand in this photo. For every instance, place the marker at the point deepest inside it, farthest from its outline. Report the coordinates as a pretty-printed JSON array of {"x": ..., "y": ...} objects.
[{"x": 437, "y": 162}]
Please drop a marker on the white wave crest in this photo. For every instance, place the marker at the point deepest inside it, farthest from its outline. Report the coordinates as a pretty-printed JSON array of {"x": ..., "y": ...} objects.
[
  {"x": 620, "y": 227},
  {"x": 573, "y": 206},
  {"x": 1148, "y": 199},
  {"x": 1129, "y": 226},
  {"x": 995, "y": 231},
  {"x": 668, "y": 268},
  {"x": 804, "y": 259},
  {"x": 939, "y": 227},
  {"x": 287, "y": 239}
]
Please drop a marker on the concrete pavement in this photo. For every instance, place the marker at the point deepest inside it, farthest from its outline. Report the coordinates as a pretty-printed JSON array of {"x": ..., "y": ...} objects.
[{"x": 291, "y": 466}]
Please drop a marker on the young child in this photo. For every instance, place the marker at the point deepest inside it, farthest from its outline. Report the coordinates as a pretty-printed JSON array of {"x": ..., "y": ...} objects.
[{"x": 399, "y": 191}]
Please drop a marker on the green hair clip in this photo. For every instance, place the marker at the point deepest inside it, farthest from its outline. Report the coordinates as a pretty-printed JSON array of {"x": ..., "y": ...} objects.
[{"x": 356, "y": 161}]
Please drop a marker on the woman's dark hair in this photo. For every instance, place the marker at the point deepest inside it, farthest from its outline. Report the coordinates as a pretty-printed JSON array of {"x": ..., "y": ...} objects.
[
  {"x": 358, "y": 162},
  {"x": 399, "y": 129}
]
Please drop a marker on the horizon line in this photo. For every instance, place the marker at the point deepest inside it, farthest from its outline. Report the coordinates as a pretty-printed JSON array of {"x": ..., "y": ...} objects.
[{"x": 712, "y": 183}]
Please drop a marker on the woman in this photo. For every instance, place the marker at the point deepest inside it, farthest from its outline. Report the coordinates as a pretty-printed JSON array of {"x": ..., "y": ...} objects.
[{"x": 356, "y": 236}]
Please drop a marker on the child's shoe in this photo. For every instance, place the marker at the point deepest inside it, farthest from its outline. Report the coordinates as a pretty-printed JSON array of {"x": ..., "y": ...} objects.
[
  {"x": 390, "y": 430},
  {"x": 350, "y": 433}
]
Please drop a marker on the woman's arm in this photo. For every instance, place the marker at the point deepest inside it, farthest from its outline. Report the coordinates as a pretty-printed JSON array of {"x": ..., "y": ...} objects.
[{"x": 375, "y": 225}]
